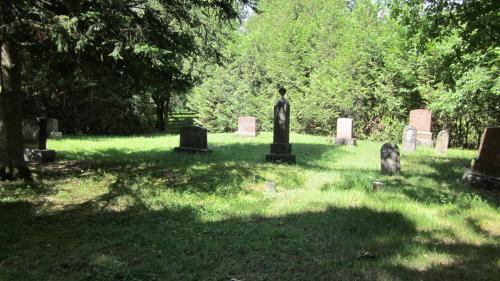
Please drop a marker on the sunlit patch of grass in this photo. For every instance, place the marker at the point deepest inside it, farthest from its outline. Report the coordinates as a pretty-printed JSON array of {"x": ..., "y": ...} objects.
[{"x": 128, "y": 208}]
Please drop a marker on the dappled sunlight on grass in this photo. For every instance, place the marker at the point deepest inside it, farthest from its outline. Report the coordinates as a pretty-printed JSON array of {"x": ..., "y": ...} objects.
[{"x": 131, "y": 209}]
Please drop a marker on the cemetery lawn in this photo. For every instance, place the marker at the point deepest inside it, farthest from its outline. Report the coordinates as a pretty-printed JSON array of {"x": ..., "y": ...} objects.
[{"x": 128, "y": 208}]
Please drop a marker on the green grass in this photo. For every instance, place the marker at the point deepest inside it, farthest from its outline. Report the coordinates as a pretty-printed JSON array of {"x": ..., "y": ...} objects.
[{"x": 123, "y": 208}]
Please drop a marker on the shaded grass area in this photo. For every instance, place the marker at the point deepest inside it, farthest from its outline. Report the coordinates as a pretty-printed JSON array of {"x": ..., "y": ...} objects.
[{"x": 131, "y": 209}]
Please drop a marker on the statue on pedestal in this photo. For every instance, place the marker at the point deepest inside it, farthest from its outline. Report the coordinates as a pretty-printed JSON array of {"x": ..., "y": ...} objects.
[{"x": 281, "y": 149}]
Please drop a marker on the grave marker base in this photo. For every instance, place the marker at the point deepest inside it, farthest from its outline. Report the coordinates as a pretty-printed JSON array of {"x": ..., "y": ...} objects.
[
  {"x": 480, "y": 180},
  {"x": 39, "y": 155},
  {"x": 281, "y": 158},
  {"x": 191, "y": 150},
  {"x": 345, "y": 141}
]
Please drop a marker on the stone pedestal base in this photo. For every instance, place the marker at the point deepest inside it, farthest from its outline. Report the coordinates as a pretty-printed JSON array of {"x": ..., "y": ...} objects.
[
  {"x": 281, "y": 153},
  {"x": 481, "y": 180},
  {"x": 39, "y": 155},
  {"x": 345, "y": 141},
  {"x": 425, "y": 143},
  {"x": 56, "y": 135},
  {"x": 281, "y": 158},
  {"x": 191, "y": 150}
]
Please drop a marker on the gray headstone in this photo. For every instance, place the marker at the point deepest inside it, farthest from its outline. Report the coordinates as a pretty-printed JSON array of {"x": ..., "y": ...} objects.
[
  {"x": 281, "y": 149},
  {"x": 193, "y": 139},
  {"x": 442, "y": 141},
  {"x": 389, "y": 157},
  {"x": 409, "y": 138},
  {"x": 52, "y": 125}
]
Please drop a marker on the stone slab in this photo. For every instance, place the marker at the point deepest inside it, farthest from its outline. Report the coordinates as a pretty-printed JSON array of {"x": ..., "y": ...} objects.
[
  {"x": 247, "y": 126},
  {"x": 421, "y": 119},
  {"x": 488, "y": 160},
  {"x": 480, "y": 180},
  {"x": 39, "y": 155},
  {"x": 344, "y": 128}
]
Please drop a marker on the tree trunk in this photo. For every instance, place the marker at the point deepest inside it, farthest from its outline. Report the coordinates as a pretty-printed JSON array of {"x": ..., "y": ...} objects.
[
  {"x": 167, "y": 109},
  {"x": 12, "y": 164},
  {"x": 160, "y": 112}
]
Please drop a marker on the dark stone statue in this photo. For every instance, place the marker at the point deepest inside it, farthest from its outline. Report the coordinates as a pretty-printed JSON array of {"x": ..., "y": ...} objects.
[{"x": 281, "y": 149}]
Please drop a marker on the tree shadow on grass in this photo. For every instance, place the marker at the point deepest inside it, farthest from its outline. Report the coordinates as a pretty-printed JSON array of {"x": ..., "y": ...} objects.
[
  {"x": 177, "y": 244},
  {"x": 447, "y": 173},
  {"x": 221, "y": 172}
]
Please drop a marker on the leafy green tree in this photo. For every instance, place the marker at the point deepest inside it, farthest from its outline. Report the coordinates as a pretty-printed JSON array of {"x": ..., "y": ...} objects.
[{"x": 104, "y": 49}]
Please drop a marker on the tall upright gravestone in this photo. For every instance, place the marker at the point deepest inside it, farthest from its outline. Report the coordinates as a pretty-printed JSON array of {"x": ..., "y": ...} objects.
[
  {"x": 442, "y": 141},
  {"x": 409, "y": 138},
  {"x": 344, "y": 132},
  {"x": 485, "y": 169},
  {"x": 193, "y": 139},
  {"x": 281, "y": 149},
  {"x": 421, "y": 119}
]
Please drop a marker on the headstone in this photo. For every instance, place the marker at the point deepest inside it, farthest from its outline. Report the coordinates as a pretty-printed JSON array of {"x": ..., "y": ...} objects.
[
  {"x": 421, "y": 119},
  {"x": 35, "y": 131},
  {"x": 52, "y": 125},
  {"x": 442, "y": 141},
  {"x": 389, "y": 156},
  {"x": 281, "y": 149},
  {"x": 344, "y": 132},
  {"x": 53, "y": 128},
  {"x": 56, "y": 135},
  {"x": 409, "y": 138},
  {"x": 193, "y": 139},
  {"x": 485, "y": 170},
  {"x": 247, "y": 126}
]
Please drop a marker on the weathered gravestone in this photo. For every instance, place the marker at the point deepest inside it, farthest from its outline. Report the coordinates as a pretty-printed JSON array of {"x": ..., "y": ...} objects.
[
  {"x": 389, "y": 157},
  {"x": 53, "y": 128},
  {"x": 35, "y": 141},
  {"x": 193, "y": 139},
  {"x": 281, "y": 149},
  {"x": 247, "y": 126},
  {"x": 409, "y": 138},
  {"x": 442, "y": 140},
  {"x": 344, "y": 132},
  {"x": 485, "y": 170},
  {"x": 421, "y": 119}
]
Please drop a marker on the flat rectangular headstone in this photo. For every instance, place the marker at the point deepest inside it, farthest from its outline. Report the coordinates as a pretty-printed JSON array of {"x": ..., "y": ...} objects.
[
  {"x": 247, "y": 126},
  {"x": 193, "y": 139},
  {"x": 421, "y": 119},
  {"x": 52, "y": 125},
  {"x": 344, "y": 128}
]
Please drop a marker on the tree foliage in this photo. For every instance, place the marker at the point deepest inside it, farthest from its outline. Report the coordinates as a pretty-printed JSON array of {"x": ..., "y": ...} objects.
[{"x": 371, "y": 62}]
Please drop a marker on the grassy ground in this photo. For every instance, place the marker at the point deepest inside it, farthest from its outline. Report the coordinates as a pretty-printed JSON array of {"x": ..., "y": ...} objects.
[{"x": 131, "y": 209}]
